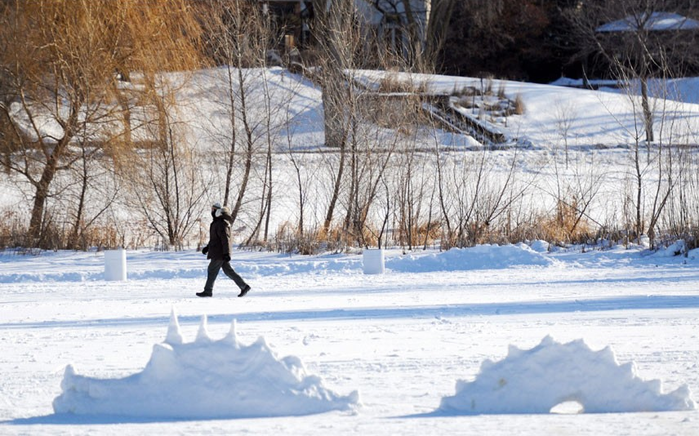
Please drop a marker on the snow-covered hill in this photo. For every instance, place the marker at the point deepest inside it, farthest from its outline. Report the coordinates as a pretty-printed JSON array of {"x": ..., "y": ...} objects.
[{"x": 569, "y": 145}]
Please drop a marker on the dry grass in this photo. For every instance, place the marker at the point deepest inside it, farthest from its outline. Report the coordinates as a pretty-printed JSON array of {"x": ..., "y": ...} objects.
[
  {"x": 288, "y": 239},
  {"x": 565, "y": 227},
  {"x": 519, "y": 105},
  {"x": 59, "y": 235},
  {"x": 501, "y": 90},
  {"x": 488, "y": 89},
  {"x": 465, "y": 91},
  {"x": 391, "y": 83},
  {"x": 12, "y": 230}
]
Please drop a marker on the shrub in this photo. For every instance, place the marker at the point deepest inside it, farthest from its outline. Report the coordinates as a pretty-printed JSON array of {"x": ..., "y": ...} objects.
[
  {"x": 12, "y": 230},
  {"x": 288, "y": 239},
  {"x": 392, "y": 83},
  {"x": 566, "y": 226},
  {"x": 501, "y": 90},
  {"x": 488, "y": 89}
]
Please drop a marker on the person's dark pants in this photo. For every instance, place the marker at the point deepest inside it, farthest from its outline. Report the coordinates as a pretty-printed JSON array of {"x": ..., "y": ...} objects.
[{"x": 214, "y": 267}]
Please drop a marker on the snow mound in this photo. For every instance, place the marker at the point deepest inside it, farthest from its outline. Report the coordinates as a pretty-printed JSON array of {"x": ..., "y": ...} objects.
[
  {"x": 675, "y": 249},
  {"x": 204, "y": 379},
  {"x": 537, "y": 380},
  {"x": 478, "y": 257},
  {"x": 540, "y": 246}
]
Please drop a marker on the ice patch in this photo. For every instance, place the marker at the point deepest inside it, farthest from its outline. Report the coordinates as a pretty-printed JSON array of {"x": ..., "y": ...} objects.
[
  {"x": 204, "y": 379},
  {"x": 473, "y": 258},
  {"x": 550, "y": 374}
]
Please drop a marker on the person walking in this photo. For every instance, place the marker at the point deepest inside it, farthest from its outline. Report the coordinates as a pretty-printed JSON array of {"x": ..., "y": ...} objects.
[{"x": 219, "y": 252}]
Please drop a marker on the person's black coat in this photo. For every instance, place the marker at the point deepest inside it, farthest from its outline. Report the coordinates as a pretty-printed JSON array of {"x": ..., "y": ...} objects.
[{"x": 220, "y": 238}]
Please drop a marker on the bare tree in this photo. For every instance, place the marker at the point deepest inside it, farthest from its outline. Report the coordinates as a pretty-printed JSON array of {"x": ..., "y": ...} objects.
[
  {"x": 666, "y": 163},
  {"x": 575, "y": 193},
  {"x": 628, "y": 38},
  {"x": 371, "y": 152},
  {"x": 166, "y": 182},
  {"x": 422, "y": 30},
  {"x": 240, "y": 36},
  {"x": 443, "y": 197},
  {"x": 60, "y": 63},
  {"x": 92, "y": 175},
  {"x": 410, "y": 194},
  {"x": 565, "y": 116},
  {"x": 58, "y": 67},
  {"x": 165, "y": 176},
  {"x": 305, "y": 173},
  {"x": 337, "y": 34}
]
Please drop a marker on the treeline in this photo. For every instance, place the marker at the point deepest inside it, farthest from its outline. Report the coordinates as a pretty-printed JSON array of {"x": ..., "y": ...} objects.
[
  {"x": 540, "y": 41},
  {"x": 105, "y": 141}
]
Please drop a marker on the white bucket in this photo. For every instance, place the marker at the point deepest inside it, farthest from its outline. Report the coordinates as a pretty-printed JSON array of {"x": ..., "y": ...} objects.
[
  {"x": 373, "y": 261},
  {"x": 115, "y": 265}
]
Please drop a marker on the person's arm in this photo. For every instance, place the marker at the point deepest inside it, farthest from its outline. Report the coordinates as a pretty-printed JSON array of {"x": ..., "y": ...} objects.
[{"x": 225, "y": 238}]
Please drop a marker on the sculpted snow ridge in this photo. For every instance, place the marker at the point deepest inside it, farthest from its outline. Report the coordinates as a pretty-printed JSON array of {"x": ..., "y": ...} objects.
[
  {"x": 206, "y": 378},
  {"x": 537, "y": 380}
]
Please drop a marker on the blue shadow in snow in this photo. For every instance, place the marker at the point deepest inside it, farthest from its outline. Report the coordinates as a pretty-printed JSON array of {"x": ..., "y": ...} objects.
[
  {"x": 651, "y": 302},
  {"x": 73, "y": 419}
]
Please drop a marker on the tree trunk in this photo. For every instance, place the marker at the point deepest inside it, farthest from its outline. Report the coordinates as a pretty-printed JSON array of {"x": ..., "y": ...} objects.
[
  {"x": 231, "y": 150},
  {"x": 647, "y": 113},
  {"x": 332, "y": 34},
  {"x": 36, "y": 232},
  {"x": 333, "y": 117},
  {"x": 269, "y": 195},
  {"x": 437, "y": 28},
  {"x": 336, "y": 192},
  {"x": 75, "y": 233},
  {"x": 123, "y": 101},
  {"x": 639, "y": 195},
  {"x": 248, "y": 151}
]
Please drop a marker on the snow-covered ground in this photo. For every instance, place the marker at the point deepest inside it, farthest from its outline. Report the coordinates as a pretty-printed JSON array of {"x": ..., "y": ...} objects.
[
  {"x": 467, "y": 341},
  {"x": 421, "y": 344}
]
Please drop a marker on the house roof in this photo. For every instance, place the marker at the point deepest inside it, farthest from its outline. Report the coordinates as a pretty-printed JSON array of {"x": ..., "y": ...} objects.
[{"x": 656, "y": 21}]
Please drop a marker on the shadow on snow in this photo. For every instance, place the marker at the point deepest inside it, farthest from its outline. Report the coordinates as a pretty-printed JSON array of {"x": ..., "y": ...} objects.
[
  {"x": 73, "y": 419},
  {"x": 650, "y": 302}
]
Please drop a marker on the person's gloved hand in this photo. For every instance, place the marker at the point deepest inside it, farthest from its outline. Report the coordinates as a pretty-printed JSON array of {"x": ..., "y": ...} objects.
[
  {"x": 226, "y": 257},
  {"x": 205, "y": 250}
]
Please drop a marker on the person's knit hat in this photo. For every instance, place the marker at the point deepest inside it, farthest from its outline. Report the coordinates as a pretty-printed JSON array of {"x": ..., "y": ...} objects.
[
  {"x": 222, "y": 210},
  {"x": 216, "y": 205}
]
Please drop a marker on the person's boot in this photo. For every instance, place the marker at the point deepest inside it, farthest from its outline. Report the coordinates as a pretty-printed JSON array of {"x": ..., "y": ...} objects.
[
  {"x": 244, "y": 291},
  {"x": 205, "y": 294}
]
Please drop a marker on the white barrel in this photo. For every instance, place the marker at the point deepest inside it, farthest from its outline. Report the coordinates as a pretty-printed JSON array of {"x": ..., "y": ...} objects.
[
  {"x": 373, "y": 261},
  {"x": 115, "y": 265}
]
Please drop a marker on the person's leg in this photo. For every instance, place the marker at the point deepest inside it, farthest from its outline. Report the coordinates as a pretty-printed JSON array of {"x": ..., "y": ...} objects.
[
  {"x": 230, "y": 272},
  {"x": 212, "y": 273}
]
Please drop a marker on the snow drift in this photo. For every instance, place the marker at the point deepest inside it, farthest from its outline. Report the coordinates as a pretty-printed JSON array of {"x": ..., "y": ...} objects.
[
  {"x": 537, "y": 380},
  {"x": 479, "y": 257},
  {"x": 204, "y": 379}
]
